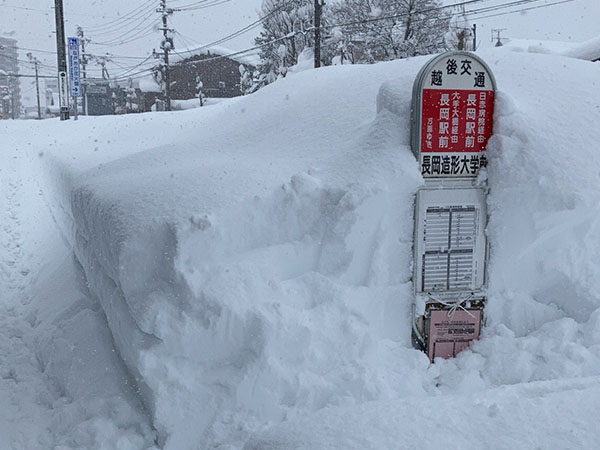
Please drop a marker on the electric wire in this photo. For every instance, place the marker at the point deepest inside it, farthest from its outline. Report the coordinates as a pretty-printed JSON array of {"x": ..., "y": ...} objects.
[
  {"x": 136, "y": 24},
  {"x": 131, "y": 15},
  {"x": 237, "y": 33},
  {"x": 128, "y": 73},
  {"x": 145, "y": 23},
  {"x": 46, "y": 11},
  {"x": 210, "y": 5}
]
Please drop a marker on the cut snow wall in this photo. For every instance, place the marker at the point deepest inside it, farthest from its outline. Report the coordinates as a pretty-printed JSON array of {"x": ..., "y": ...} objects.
[{"x": 272, "y": 304}]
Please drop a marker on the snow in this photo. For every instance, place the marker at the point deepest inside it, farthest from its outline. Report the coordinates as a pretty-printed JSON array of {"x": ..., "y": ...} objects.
[
  {"x": 148, "y": 84},
  {"x": 588, "y": 50},
  {"x": 239, "y": 276},
  {"x": 181, "y": 54},
  {"x": 181, "y": 105}
]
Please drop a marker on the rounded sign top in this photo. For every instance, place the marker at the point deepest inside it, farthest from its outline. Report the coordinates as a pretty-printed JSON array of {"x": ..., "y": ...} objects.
[{"x": 456, "y": 70}]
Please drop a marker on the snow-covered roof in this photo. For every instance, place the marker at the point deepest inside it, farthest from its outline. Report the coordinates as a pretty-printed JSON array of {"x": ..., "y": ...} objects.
[
  {"x": 588, "y": 50},
  {"x": 181, "y": 54},
  {"x": 538, "y": 46},
  {"x": 147, "y": 84}
]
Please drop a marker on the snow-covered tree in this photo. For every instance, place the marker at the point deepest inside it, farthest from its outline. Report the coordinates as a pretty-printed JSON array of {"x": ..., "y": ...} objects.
[
  {"x": 200, "y": 90},
  {"x": 353, "y": 31},
  {"x": 249, "y": 80},
  {"x": 380, "y": 30},
  {"x": 288, "y": 29}
]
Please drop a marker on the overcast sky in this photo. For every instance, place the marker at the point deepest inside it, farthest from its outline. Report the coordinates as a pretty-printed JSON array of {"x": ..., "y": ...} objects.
[{"x": 31, "y": 22}]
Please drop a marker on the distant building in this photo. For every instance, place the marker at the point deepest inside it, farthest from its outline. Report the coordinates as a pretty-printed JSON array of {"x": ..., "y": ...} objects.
[
  {"x": 205, "y": 68},
  {"x": 10, "y": 92},
  {"x": 100, "y": 99}
]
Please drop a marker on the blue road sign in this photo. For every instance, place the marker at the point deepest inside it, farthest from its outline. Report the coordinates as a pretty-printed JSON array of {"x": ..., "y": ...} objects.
[{"x": 74, "y": 71}]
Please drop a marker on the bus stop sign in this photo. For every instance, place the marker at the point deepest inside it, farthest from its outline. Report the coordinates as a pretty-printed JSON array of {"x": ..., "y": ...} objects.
[{"x": 452, "y": 116}]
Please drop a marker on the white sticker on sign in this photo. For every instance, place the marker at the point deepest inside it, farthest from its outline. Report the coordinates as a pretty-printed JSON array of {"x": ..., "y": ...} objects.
[{"x": 63, "y": 90}]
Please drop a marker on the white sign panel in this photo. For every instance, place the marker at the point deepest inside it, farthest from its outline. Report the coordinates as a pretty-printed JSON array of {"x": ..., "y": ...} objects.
[
  {"x": 74, "y": 67},
  {"x": 63, "y": 90},
  {"x": 450, "y": 243}
]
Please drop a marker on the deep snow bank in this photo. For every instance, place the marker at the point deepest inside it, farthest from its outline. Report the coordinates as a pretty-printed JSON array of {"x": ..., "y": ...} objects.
[
  {"x": 254, "y": 267},
  {"x": 543, "y": 314}
]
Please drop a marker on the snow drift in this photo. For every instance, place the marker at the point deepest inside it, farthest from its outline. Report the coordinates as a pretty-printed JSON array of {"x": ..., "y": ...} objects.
[{"x": 253, "y": 258}]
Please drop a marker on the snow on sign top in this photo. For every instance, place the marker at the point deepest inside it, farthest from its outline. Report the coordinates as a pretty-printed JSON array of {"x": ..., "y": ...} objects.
[{"x": 452, "y": 115}]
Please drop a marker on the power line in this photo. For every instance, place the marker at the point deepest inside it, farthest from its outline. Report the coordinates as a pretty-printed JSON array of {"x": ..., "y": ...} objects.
[
  {"x": 258, "y": 47},
  {"x": 140, "y": 34},
  {"x": 129, "y": 73},
  {"x": 131, "y": 69},
  {"x": 131, "y": 15},
  {"x": 21, "y": 75},
  {"x": 143, "y": 24},
  {"x": 406, "y": 14},
  {"x": 237, "y": 33},
  {"x": 135, "y": 24},
  {"x": 527, "y": 9},
  {"x": 473, "y": 11},
  {"x": 23, "y": 61},
  {"x": 214, "y": 3},
  {"x": 216, "y": 58},
  {"x": 45, "y": 11}
]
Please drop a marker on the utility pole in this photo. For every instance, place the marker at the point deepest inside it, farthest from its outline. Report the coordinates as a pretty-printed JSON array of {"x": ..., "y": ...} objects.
[
  {"x": 102, "y": 60},
  {"x": 166, "y": 45},
  {"x": 499, "y": 39},
  {"x": 318, "y": 13},
  {"x": 84, "y": 62},
  {"x": 474, "y": 37},
  {"x": 35, "y": 62},
  {"x": 11, "y": 96},
  {"x": 61, "y": 52}
]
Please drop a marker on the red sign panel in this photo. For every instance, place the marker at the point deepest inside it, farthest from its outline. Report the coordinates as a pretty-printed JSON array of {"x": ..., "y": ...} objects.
[
  {"x": 449, "y": 333},
  {"x": 456, "y": 120}
]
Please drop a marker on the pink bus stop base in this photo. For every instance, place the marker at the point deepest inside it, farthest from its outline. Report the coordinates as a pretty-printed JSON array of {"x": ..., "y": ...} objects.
[{"x": 451, "y": 332}]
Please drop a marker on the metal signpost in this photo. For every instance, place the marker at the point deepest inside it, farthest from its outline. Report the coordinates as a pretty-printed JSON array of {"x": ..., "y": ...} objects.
[
  {"x": 452, "y": 117},
  {"x": 74, "y": 71}
]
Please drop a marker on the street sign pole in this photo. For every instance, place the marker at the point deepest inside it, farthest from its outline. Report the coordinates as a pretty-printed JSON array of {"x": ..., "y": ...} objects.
[
  {"x": 74, "y": 72},
  {"x": 453, "y": 106}
]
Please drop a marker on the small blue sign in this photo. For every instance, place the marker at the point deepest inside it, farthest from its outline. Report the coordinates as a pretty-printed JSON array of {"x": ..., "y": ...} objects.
[{"x": 74, "y": 68}]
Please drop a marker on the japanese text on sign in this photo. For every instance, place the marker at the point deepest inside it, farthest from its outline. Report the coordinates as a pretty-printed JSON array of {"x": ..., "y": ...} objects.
[
  {"x": 74, "y": 72},
  {"x": 452, "y": 70},
  {"x": 456, "y": 120},
  {"x": 462, "y": 164}
]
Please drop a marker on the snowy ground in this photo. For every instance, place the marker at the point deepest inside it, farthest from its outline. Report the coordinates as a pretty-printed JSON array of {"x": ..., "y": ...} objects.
[
  {"x": 61, "y": 382},
  {"x": 239, "y": 276}
]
